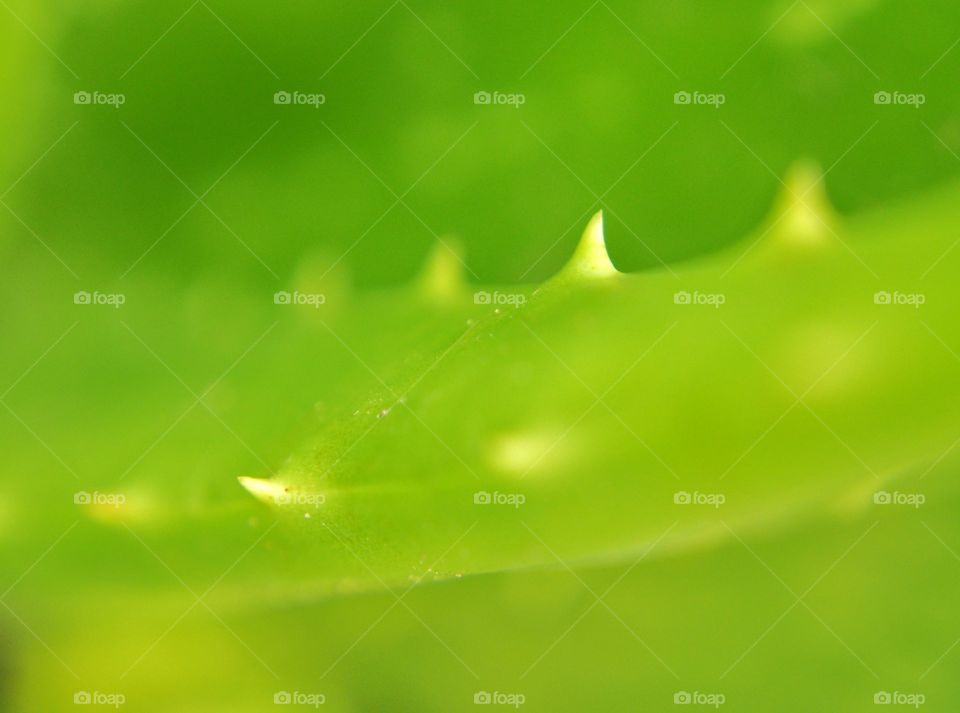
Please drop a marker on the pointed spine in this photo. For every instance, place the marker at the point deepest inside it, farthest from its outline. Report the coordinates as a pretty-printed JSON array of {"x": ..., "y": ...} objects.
[
  {"x": 803, "y": 216},
  {"x": 267, "y": 491},
  {"x": 590, "y": 260},
  {"x": 442, "y": 278}
]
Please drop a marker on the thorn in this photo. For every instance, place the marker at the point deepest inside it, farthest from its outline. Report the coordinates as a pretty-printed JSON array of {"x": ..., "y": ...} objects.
[
  {"x": 268, "y": 491},
  {"x": 590, "y": 259},
  {"x": 442, "y": 279},
  {"x": 805, "y": 218}
]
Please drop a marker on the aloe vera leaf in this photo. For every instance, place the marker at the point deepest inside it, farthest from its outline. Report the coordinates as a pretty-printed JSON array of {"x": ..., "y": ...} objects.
[{"x": 602, "y": 393}]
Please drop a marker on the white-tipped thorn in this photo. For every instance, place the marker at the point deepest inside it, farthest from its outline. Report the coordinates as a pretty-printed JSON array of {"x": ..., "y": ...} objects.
[
  {"x": 590, "y": 259},
  {"x": 268, "y": 491}
]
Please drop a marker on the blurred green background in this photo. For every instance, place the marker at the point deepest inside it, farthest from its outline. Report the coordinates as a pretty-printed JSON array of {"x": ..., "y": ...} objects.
[
  {"x": 200, "y": 197},
  {"x": 399, "y": 79}
]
